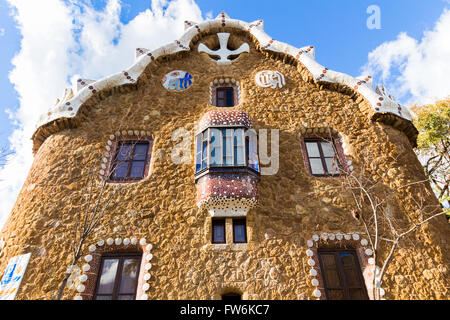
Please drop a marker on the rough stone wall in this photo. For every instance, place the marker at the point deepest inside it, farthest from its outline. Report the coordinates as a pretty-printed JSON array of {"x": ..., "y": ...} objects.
[{"x": 292, "y": 206}]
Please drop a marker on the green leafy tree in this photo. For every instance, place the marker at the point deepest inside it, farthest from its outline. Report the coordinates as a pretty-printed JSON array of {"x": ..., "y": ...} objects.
[{"x": 433, "y": 146}]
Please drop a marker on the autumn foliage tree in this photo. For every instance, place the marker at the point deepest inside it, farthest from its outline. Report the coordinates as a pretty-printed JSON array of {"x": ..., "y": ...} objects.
[{"x": 433, "y": 145}]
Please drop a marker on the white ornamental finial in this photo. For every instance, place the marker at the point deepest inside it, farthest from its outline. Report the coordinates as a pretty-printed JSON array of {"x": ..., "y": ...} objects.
[{"x": 223, "y": 52}]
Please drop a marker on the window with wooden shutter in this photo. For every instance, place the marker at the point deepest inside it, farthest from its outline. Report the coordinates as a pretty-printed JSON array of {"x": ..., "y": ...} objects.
[{"x": 342, "y": 275}]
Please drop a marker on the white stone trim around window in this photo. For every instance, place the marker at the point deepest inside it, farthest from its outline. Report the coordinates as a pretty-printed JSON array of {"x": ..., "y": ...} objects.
[
  {"x": 223, "y": 82},
  {"x": 110, "y": 245},
  {"x": 353, "y": 240},
  {"x": 113, "y": 139}
]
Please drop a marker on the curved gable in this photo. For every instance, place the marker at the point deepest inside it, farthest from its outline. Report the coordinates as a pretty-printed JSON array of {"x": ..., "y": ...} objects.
[{"x": 384, "y": 108}]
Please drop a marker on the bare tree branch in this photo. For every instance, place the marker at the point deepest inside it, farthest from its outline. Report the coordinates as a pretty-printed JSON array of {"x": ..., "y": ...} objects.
[
  {"x": 94, "y": 199},
  {"x": 374, "y": 201}
]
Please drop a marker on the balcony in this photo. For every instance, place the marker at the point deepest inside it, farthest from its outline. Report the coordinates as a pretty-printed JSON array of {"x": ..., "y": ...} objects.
[{"x": 226, "y": 166}]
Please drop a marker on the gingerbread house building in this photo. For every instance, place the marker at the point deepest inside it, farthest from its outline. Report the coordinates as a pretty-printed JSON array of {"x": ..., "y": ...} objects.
[{"x": 219, "y": 166}]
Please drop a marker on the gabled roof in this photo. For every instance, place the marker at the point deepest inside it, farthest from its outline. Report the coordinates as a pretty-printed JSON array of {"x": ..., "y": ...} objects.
[{"x": 382, "y": 103}]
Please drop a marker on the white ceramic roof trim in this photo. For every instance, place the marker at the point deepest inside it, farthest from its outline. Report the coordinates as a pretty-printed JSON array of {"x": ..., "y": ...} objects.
[{"x": 267, "y": 43}]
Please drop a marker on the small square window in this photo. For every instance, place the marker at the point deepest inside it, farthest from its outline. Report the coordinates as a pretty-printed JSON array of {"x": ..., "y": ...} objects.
[
  {"x": 224, "y": 93},
  {"x": 218, "y": 231},
  {"x": 239, "y": 231},
  {"x": 224, "y": 97}
]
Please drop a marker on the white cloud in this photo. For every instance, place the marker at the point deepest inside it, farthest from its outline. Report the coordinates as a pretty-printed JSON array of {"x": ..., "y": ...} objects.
[
  {"x": 415, "y": 71},
  {"x": 2, "y": 32},
  {"x": 39, "y": 78},
  {"x": 149, "y": 29},
  {"x": 74, "y": 39}
]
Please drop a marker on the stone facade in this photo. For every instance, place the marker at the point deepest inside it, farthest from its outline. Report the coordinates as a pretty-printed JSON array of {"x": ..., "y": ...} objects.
[{"x": 295, "y": 214}]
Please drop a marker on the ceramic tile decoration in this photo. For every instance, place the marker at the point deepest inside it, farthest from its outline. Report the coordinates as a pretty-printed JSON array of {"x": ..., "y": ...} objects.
[
  {"x": 225, "y": 118},
  {"x": 140, "y": 51},
  {"x": 177, "y": 80},
  {"x": 223, "y": 52},
  {"x": 227, "y": 194},
  {"x": 268, "y": 78}
]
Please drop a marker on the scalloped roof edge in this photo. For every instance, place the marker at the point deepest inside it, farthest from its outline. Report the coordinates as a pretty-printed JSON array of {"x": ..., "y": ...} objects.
[{"x": 69, "y": 105}]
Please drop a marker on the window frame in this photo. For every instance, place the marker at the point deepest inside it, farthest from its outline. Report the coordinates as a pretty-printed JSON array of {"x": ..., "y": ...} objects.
[
  {"x": 114, "y": 154},
  {"x": 244, "y": 145},
  {"x": 225, "y": 90},
  {"x": 341, "y": 273},
  {"x": 118, "y": 278},
  {"x": 221, "y": 222},
  {"x": 338, "y": 155},
  {"x": 216, "y": 84},
  {"x": 244, "y": 222}
]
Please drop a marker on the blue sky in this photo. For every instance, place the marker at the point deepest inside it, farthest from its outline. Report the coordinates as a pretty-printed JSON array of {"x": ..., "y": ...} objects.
[{"x": 57, "y": 40}]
